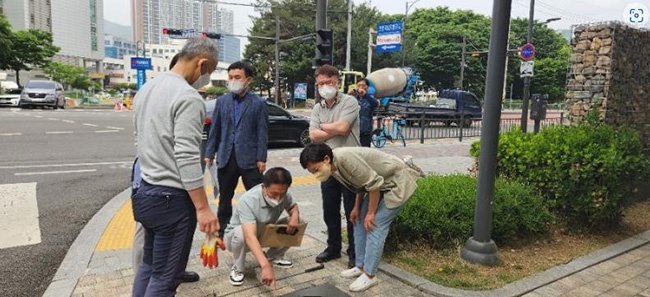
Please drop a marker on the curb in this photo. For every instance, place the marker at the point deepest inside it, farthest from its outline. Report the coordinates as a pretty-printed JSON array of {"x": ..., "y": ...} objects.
[
  {"x": 528, "y": 284},
  {"x": 76, "y": 261}
]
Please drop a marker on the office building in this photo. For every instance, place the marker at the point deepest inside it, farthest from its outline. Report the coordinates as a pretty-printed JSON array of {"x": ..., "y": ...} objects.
[
  {"x": 229, "y": 49},
  {"x": 116, "y": 47}
]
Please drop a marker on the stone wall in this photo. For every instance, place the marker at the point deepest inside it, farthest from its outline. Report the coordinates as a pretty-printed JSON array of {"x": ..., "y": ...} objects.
[{"x": 610, "y": 71}]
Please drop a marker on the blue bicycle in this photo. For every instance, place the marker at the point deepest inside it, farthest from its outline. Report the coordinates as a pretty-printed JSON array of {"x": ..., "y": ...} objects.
[{"x": 381, "y": 135}]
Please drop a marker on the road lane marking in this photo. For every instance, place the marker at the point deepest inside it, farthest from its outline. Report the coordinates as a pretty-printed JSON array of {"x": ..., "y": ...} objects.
[
  {"x": 59, "y": 132},
  {"x": 68, "y": 121},
  {"x": 89, "y": 125},
  {"x": 37, "y": 116},
  {"x": 65, "y": 165},
  {"x": 114, "y": 128},
  {"x": 11, "y": 134},
  {"x": 106, "y": 131},
  {"x": 19, "y": 215},
  {"x": 52, "y": 119},
  {"x": 54, "y": 172}
]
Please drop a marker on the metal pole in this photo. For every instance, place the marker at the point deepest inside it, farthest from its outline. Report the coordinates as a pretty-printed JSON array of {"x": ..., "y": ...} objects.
[
  {"x": 348, "y": 50},
  {"x": 462, "y": 63},
  {"x": 277, "y": 60},
  {"x": 321, "y": 23},
  {"x": 370, "y": 45},
  {"x": 406, "y": 12},
  {"x": 480, "y": 248},
  {"x": 524, "y": 106}
]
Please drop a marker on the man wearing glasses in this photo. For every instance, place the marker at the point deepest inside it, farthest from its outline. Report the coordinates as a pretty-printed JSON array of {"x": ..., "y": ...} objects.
[{"x": 335, "y": 121}]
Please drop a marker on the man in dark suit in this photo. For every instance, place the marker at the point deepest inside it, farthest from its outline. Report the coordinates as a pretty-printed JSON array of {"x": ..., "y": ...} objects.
[{"x": 238, "y": 136}]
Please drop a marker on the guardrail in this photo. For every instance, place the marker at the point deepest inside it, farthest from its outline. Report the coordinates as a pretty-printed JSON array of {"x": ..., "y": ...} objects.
[{"x": 437, "y": 128}]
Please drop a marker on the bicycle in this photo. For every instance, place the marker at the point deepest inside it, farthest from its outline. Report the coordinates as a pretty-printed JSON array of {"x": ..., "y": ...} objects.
[{"x": 381, "y": 135}]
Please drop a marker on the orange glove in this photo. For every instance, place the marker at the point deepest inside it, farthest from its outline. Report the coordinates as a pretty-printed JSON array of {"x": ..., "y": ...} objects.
[{"x": 209, "y": 250}]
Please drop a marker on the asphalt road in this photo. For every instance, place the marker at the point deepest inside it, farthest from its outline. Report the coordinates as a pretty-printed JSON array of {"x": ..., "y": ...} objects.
[{"x": 77, "y": 160}]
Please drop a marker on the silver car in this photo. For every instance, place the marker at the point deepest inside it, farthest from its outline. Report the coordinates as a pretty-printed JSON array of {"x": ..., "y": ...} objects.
[
  {"x": 10, "y": 97},
  {"x": 43, "y": 93}
]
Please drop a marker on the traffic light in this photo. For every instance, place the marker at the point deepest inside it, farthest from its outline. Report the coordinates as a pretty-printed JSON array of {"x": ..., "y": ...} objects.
[
  {"x": 211, "y": 35},
  {"x": 324, "y": 47},
  {"x": 172, "y": 32}
]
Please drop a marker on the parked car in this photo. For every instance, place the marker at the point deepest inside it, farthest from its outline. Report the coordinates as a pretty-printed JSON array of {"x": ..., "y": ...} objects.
[
  {"x": 10, "y": 97},
  {"x": 43, "y": 93},
  {"x": 284, "y": 127}
]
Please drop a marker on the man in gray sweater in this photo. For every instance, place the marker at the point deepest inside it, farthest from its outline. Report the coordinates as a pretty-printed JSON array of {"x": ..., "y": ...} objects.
[{"x": 171, "y": 200}]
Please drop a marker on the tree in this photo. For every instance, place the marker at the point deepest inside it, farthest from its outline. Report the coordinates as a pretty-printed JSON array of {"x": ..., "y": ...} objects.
[
  {"x": 67, "y": 75},
  {"x": 5, "y": 41},
  {"x": 32, "y": 48},
  {"x": 216, "y": 91}
]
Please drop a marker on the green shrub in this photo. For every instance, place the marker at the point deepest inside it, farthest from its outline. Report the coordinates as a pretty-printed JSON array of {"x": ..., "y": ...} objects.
[
  {"x": 584, "y": 172},
  {"x": 441, "y": 212}
]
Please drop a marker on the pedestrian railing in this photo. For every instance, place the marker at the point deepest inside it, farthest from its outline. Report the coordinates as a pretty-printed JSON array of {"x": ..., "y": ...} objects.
[{"x": 421, "y": 128}]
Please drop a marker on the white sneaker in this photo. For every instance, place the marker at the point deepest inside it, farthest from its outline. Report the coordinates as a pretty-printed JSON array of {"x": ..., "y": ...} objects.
[
  {"x": 283, "y": 263},
  {"x": 362, "y": 283},
  {"x": 351, "y": 273},
  {"x": 236, "y": 277}
]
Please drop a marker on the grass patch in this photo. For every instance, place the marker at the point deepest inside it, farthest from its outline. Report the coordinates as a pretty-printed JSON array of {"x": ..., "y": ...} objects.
[{"x": 519, "y": 259}]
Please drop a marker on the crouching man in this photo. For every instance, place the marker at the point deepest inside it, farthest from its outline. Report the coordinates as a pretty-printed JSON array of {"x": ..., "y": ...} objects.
[{"x": 259, "y": 206}]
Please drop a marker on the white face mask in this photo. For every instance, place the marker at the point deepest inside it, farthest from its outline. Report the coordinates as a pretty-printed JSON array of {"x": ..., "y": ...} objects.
[
  {"x": 271, "y": 202},
  {"x": 327, "y": 92},
  {"x": 202, "y": 81},
  {"x": 235, "y": 86}
]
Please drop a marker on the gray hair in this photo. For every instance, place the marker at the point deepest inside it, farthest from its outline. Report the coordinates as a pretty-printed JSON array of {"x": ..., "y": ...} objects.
[{"x": 197, "y": 46}]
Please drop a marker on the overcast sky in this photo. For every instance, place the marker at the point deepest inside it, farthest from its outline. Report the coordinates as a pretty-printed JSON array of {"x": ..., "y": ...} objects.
[{"x": 571, "y": 11}]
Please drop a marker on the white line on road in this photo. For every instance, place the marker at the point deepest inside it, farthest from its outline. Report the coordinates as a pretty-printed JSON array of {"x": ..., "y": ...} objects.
[
  {"x": 89, "y": 125},
  {"x": 65, "y": 165},
  {"x": 52, "y": 119},
  {"x": 68, "y": 121},
  {"x": 59, "y": 132},
  {"x": 11, "y": 134},
  {"x": 54, "y": 172},
  {"x": 37, "y": 116},
  {"x": 114, "y": 128},
  {"x": 18, "y": 215},
  {"x": 106, "y": 131}
]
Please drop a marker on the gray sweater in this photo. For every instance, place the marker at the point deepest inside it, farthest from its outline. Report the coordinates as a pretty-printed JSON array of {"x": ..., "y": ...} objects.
[{"x": 169, "y": 117}]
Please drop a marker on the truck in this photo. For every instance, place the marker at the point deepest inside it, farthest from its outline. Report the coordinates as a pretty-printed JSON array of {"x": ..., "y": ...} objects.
[{"x": 395, "y": 87}]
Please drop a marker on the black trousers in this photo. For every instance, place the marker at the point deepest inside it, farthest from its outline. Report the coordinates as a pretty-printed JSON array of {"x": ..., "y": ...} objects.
[
  {"x": 365, "y": 138},
  {"x": 332, "y": 190},
  {"x": 228, "y": 177}
]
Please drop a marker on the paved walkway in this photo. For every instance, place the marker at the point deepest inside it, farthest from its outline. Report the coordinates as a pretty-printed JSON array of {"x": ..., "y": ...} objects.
[{"x": 99, "y": 262}]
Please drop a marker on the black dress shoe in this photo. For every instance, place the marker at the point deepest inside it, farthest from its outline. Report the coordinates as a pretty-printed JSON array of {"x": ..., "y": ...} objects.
[
  {"x": 189, "y": 277},
  {"x": 351, "y": 262},
  {"x": 327, "y": 256}
]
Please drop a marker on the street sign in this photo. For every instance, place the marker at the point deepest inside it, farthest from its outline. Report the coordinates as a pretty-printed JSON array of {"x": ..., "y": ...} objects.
[
  {"x": 526, "y": 68},
  {"x": 527, "y": 52},
  {"x": 141, "y": 63},
  {"x": 141, "y": 78},
  {"x": 389, "y": 37}
]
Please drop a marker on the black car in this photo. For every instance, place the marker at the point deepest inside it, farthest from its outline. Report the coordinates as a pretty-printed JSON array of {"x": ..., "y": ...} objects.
[{"x": 284, "y": 127}]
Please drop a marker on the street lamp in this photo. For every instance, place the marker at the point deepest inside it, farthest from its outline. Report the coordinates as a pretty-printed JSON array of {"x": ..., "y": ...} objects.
[{"x": 406, "y": 13}]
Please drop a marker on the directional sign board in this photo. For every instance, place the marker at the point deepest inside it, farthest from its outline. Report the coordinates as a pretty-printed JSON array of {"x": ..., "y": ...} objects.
[
  {"x": 389, "y": 37},
  {"x": 141, "y": 63}
]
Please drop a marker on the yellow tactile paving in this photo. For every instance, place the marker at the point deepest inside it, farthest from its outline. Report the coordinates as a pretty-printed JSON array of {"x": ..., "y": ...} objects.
[{"x": 120, "y": 230}]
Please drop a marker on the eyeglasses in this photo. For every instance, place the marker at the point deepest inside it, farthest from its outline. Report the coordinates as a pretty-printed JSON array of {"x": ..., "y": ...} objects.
[{"x": 326, "y": 83}]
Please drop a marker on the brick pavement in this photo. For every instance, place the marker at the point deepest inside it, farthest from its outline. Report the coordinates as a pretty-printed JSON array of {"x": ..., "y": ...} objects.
[{"x": 623, "y": 270}]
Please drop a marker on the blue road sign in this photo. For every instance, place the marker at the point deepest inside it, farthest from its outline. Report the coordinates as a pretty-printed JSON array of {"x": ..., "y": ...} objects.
[
  {"x": 141, "y": 63},
  {"x": 389, "y": 37},
  {"x": 142, "y": 78},
  {"x": 527, "y": 52}
]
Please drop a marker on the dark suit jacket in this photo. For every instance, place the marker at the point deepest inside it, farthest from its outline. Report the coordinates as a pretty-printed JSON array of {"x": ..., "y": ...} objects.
[{"x": 249, "y": 137}]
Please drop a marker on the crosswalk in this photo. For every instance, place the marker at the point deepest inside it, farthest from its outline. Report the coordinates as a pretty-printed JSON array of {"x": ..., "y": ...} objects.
[{"x": 19, "y": 225}]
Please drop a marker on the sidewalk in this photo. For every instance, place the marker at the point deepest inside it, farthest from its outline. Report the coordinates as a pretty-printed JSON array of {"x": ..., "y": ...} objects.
[{"x": 99, "y": 261}]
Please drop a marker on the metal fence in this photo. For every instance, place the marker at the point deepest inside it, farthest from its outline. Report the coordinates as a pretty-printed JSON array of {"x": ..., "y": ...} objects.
[{"x": 432, "y": 128}]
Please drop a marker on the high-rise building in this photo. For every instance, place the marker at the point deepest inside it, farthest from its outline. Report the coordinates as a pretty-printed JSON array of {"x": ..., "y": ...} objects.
[
  {"x": 229, "y": 49},
  {"x": 149, "y": 17},
  {"x": 226, "y": 21},
  {"x": 76, "y": 26}
]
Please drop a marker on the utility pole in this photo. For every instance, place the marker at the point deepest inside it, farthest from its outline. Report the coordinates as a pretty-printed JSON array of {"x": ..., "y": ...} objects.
[
  {"x": 348, "y": 50},
  {"x": 370, "y": 46},
  {"x": 480, "y": 248},
  {"x": 321, "y": 23},
  {"x": 524, "y": 106},
  {"x": 277, "y": 60},
  {"x": 462, "y": 63}
]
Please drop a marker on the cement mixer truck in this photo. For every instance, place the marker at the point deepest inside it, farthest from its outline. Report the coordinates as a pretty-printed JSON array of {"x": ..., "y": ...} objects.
[{"x": 394, "y": 87}]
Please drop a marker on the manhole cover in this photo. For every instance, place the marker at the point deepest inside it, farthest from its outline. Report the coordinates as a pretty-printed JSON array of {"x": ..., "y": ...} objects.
[{"x": 319, "y": 291}]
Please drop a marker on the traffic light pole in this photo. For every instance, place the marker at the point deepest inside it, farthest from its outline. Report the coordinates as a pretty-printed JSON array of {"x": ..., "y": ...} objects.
[
  {"x": 524, "y": 106},
  {"x": 462, "y": 63}
]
